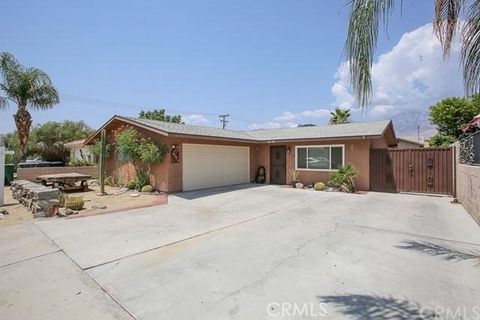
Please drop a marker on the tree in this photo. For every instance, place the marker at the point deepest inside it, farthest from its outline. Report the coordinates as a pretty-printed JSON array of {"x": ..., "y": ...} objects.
[
  {"x": 159, "y": 115},
  {"x": 28, "y": 88},
  {"x": 365, "y": 17},
  {"x": 339, "y": 116},
  {"x": 141, "y": 152},
  {"x": 441, "y": 140},
  {"x": 47, "y": 140},
  {"x": 449, "y": 114}
]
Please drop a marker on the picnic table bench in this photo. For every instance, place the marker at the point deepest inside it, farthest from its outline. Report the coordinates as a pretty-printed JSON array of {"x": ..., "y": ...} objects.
[{"x": 65, "y": 181}]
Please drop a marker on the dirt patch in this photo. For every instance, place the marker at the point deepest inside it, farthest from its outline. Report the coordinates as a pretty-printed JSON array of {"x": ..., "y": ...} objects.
[
  {"x": 115, "y": 200},
  {"x": 17, "y": 212}
]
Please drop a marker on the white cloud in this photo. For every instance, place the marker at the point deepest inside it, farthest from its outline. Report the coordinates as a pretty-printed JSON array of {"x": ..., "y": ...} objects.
[
  {"x": 292, "y": 119},
  {"x": 286, "y": 116},
  {"x": 409, "y": 78},
  {"x": 317, "y": 113},
  {"x": 195, "y": 119}
]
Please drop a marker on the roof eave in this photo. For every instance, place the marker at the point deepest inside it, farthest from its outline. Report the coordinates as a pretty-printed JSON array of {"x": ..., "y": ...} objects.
[{"x": 90, "y": 139}]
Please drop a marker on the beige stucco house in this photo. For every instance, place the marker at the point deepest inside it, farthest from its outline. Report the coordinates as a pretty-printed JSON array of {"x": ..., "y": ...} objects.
[{"x": 205, "y": 157}]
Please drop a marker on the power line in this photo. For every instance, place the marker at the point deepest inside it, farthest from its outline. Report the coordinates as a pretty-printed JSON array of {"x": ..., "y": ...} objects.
[{"x": 223, "y": 120}]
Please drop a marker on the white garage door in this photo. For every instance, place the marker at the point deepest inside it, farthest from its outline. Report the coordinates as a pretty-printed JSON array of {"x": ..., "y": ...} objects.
[{"x": 208, "y": 166}]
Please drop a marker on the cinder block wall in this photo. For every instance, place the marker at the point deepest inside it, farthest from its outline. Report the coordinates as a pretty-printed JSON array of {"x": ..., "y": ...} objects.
[
  {"x": 468, "y": 189},
  {"x": 31, "y": 174}
]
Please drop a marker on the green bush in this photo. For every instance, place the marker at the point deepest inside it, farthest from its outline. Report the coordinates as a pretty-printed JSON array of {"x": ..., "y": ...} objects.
[
  {"x": 147, "y": 188},
  {"x": 131, "y": 184},
  {"x": 343, "y": 178},
  {"x": 141, "y": 180},
  {"x": 319, "y": 186}
]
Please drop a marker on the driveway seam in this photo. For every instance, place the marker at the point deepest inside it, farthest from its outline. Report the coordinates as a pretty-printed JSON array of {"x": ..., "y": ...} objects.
[
  {"x": 124, "y": 308},
  {"x": 387, "y": 230},
  {"x": 31, "y": 258}
]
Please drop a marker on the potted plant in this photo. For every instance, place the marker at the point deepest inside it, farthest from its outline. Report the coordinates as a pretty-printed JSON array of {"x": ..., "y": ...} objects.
[{"x": 294, "y": 175}]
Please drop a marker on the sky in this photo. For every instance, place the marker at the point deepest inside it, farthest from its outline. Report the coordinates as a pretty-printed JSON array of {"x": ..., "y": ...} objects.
[{"x": 269, "y": 64}]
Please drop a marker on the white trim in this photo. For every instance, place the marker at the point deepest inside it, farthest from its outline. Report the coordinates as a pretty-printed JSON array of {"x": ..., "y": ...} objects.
[{"x": 319, "y": 146}]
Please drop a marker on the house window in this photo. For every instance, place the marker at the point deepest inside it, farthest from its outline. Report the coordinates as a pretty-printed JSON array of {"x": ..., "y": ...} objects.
[{"x": 320, "y": 158}]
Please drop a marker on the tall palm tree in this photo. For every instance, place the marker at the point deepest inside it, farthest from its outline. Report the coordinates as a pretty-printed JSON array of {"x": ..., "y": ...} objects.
[
  {"x": 366, "y": 16},
  {"x": 28, "y": 88},
  {"x": 340, "y": 115}
]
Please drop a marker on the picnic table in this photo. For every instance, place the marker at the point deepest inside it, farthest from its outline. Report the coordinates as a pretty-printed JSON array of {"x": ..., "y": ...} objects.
[{"x": 65, "y": 181}]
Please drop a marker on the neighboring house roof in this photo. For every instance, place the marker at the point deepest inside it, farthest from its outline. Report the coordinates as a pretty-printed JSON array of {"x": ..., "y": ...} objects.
[
  {"x": 411, "y": 140},
  {"x": 350, "y": 130},
  {"x": 75, "y": 143}
]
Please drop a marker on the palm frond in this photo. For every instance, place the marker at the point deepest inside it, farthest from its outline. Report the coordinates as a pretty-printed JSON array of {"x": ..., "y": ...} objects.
[
  {"x": 446, "y": 22},
  {"x": 44, "y": 97},
  {"x": 8, "y": 63},
  {"x": 361, "y": 42},
  {"x": 470, "y": 53},
  {"x": 3, "y": 102}
]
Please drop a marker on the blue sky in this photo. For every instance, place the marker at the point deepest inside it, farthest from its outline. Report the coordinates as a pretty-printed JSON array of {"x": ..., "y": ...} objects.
[{"x": 267, "y": 63}]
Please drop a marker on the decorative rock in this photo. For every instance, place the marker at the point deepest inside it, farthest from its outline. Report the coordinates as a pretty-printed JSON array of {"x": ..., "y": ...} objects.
[
  {"x": 4, "y": 211},
  {"x": 69, "y": 212},
  {"x": 61, "y": 214},
  {"x": 299, "y": 185},
  {"x": 134, "y": 195},
  {"x": 123, "y": 190},
  {"x": 94, "y": 183},
  {"x": 99, "y": 206}
]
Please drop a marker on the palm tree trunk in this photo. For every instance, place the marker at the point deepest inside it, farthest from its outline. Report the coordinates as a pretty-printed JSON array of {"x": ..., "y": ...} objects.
[{"x": 23, "y": 121}]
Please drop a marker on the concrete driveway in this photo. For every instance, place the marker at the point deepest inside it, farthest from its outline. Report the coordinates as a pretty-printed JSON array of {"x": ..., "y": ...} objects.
[{"x": 249, "y": 252}]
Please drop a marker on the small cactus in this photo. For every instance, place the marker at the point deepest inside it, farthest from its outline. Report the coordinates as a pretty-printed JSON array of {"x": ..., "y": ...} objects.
[
  {"x": 147, "y": 188},
  {"x": 319, "y": 186}
]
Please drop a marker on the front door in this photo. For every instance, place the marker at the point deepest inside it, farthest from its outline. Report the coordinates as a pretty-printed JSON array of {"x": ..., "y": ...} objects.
[{"x": 278, "y": 165}]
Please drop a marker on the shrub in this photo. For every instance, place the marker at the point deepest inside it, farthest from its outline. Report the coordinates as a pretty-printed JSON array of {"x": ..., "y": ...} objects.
[
  {"x": 110, "y": 181},
  {"x": 319, "y": 186},
  {"x": 294, "y": 174},
  {"x": 343, "y": 178},
  {"x": 131, "y": 184},
  {"x": 141, "y": 180},
  {"x": 147, "y": 188}
]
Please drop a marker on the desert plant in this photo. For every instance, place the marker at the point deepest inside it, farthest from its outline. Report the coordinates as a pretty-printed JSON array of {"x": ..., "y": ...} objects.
[
  {"x": 141, "y": 152},
  {"x": 294, "y": 175},
  {"x": 131, "y": 184},
  {"x": 319, "y": 186},
  {"x": 141, "y": 180},
  {"x": 343, "y": 178},
  {"x": 110, "y": 181},
  {"x": 147, "y": 188}
]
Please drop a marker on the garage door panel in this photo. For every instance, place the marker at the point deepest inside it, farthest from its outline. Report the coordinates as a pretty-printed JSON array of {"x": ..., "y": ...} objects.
[{"x": 207, "y": 166}]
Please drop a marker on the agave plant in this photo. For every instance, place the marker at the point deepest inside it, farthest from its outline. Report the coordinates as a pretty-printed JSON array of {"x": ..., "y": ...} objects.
[
  {"x": 366, "y": 17},
  {"x": 343, "y": 178}
]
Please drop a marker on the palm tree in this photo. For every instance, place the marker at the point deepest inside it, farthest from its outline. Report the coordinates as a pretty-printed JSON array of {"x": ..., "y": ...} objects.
[
  {"x": 366, "y": 16},
  {"x": 340, "y": 115},
  {"x": 28, "y": 88}
]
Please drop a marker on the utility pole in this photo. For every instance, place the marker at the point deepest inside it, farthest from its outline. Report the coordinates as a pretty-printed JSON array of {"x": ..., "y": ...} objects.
[{"x": 223, "y": 120}]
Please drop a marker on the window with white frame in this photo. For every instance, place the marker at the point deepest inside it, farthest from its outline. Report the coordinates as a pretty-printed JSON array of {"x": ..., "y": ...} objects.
[{"x": 321, "y": 158}]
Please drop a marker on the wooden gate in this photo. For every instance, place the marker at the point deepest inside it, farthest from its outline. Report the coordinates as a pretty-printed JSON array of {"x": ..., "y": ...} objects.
[{"x": 423, "y": 170}]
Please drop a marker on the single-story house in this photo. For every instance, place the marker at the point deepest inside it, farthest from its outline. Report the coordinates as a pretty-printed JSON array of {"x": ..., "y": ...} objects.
[
  {"x": 78, "y": 150},
  {"x": 205, "y": 157},
  {"x": 409, "y": 142}
]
